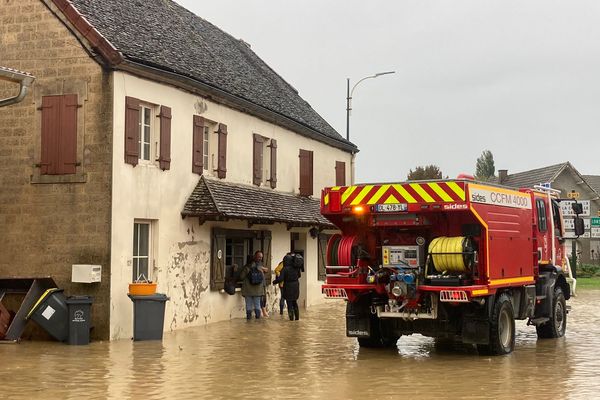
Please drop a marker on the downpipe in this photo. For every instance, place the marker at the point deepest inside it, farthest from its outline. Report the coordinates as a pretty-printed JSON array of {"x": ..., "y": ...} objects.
[{"x": 24, "y": 80}]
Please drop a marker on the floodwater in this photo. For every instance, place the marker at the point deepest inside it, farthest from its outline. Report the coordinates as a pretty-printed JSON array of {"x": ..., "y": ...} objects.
[{"x": 307, "y": 359}]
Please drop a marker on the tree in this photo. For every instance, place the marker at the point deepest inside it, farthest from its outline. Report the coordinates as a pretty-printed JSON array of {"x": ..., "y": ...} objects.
[
  {"x": 427, "y": 172},
  {"x": 485, "y": 168}
]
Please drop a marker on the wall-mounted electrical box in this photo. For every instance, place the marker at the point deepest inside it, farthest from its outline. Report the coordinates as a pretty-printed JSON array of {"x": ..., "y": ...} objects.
[{"x": 86, "y": 273}]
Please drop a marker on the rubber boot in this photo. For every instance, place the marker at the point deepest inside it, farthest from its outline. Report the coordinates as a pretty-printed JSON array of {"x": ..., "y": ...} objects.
[
  {"x": 291, "y": 314},
  {"x": 257, "y": 313},
  {"x": 297, "y": 312},
  {"x": 248, "y": 314}
]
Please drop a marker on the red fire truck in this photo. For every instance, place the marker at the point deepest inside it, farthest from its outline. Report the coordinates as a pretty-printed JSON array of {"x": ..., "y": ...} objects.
[{"x": 457, "y": 260}]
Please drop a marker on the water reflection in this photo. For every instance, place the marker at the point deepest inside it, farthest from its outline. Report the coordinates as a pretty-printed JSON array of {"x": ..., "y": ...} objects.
[{"x": 308, "y": 359}]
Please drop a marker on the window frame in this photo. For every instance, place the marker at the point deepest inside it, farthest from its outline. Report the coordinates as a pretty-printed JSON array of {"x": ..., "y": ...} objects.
[
  {"x": 542, "y": 215},
  {"x": 150, "y": 249},
  {"x": 154, "y": 143},
  {"x": 323, "y": 239},
  {"x": 206, "y": 158},
  {"x": 253, "y": 240}
]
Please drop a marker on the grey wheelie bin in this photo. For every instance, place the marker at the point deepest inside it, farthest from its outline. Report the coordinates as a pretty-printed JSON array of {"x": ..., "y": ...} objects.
[
  {"x": 80, "y": 319},
  {"x": 50, "y": 312},
  {"x": 148, "y": 316}
]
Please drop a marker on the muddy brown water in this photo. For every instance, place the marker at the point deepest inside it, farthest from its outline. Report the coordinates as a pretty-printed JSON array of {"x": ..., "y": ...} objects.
[{"x": 307, "y": 359}]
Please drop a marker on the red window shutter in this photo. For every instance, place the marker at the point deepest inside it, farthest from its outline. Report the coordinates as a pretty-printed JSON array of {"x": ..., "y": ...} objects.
[
  {"x": 67, "y": 144},
  {"x": 257, "y": 160},
  {"x": 50, "y": 129},
  {"x": 273, "y": 179},
  {"x": 132, "y": 130},
  {"x": 164, "y": 160},
  {"x": 197, "y": 145},
  {"x": 222, "y": 165},
  {"x": 340, "y": 173},
  {"x": 306, "y": 173},
  {"x": 59, "y": 135}
]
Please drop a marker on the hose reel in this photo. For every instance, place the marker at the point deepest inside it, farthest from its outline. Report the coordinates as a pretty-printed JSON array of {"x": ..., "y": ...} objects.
[
  {"x": 341, "y": 250},
  {"x": 453, "y": 254}
]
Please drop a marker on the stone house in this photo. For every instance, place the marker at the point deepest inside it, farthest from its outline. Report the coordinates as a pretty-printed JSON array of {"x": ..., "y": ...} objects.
[
  {"x": 155, "y": 145},
  {"x": 567, "y": 179}
]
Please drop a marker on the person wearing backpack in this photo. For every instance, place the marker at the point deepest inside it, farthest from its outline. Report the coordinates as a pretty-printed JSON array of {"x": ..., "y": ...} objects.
[
  {"x": 293, "y": 265},
  {"x": 252, "y": 278}
]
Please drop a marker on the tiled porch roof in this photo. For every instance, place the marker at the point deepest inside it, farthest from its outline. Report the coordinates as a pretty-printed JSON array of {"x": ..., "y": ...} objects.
[{"x": 214, "y": 200}]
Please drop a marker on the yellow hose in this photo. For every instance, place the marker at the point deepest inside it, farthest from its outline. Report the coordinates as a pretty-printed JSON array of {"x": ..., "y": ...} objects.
[{"x": 447, "y": 254}]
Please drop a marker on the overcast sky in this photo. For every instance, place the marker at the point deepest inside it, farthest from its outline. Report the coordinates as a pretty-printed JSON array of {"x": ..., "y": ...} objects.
[{"x": 520, "y": 78}]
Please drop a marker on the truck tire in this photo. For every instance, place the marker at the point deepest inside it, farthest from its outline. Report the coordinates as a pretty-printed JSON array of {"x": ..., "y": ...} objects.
[
  {"x": 502, "y": 328},
  {"x": 556, "y": 326}
]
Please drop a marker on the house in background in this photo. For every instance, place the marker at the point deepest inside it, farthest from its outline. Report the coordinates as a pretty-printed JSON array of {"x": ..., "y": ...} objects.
[
  {"x": 157, "y": 146},
  {"x": 567, "y": 179}
]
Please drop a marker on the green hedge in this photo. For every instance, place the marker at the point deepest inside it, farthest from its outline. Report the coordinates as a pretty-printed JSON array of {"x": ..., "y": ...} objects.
[{"x": 588, "y": 271}]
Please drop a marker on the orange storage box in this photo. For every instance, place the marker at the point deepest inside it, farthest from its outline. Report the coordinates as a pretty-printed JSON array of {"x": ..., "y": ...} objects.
[{"x": 142, "y": 288}]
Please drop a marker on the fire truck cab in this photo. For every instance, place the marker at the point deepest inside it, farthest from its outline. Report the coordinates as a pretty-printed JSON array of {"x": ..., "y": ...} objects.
[{"x": 456, "y": 260}]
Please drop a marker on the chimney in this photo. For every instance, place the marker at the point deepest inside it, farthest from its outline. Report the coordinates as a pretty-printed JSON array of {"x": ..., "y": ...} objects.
[{"x": 502, "y": 175}]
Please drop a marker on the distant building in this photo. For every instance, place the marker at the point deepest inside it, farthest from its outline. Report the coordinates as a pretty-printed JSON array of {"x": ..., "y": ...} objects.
[
  {"x": 160, "y": 147},
  {"x": 567, "y": 179}
]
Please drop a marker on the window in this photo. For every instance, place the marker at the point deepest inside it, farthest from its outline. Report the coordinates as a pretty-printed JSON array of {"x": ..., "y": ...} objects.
[
  {"x": 306, "y": 172},
  {"x": 202, "y": 158},
  {"x": 264, "y": 167},
  {"x": 145, "y": 131},
  {"x": 340, "y": 173},
  {"x": 233, "y": 246},
  {"x": 59, "y": 135},
  {"x": 144, "y": 141},
  {"x": 205, "y": 147},
  {"x": 558, "y": 228},
  {"x": 141, "y": 250},
  {"x": 323, "y": 239},
  {"x": 541, "y": 215},
  {"x": 236, "y": 250}
]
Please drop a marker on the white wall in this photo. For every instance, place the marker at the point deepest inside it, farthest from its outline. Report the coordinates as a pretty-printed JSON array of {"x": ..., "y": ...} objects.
[{"x": 182, "y": 246}]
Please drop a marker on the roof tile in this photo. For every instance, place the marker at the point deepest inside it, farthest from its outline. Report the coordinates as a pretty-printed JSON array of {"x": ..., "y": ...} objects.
[{"x": 162, "y": 34}]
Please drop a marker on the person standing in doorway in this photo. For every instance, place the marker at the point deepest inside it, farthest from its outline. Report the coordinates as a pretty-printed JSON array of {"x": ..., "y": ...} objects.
[
  {"x": 253, "y": 285},
  {"x": 290, "y": 276}
]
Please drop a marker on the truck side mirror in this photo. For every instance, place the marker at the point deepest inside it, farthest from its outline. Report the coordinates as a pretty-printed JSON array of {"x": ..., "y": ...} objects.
[
  {"x": 579, "y": 226},
  {"x": 577, "y": 208}
]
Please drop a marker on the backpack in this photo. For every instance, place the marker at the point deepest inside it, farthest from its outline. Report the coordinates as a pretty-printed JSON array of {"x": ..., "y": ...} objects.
[
  {"x": 299, "y": 262},
  {"x": 255, "y": 276},
  {"x": 230, "y": 279}
]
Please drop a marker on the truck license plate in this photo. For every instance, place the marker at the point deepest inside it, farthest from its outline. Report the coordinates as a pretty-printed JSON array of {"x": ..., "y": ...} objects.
[{"x": 391, "y": 207}]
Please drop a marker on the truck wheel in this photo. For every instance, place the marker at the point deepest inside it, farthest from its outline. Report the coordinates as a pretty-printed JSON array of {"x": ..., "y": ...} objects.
[
  {"x": 557, "y": 324},
  {"x": 502, "y": 328}
]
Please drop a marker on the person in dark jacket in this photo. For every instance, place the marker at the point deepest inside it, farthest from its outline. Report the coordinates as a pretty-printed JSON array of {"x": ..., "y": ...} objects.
[
  {"x": 290, "y": 276},
  {"x": 252, "y": 292}
]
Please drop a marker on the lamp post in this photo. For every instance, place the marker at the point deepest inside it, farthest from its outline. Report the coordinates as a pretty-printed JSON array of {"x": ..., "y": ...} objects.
[{"x": 349, "y": 98}]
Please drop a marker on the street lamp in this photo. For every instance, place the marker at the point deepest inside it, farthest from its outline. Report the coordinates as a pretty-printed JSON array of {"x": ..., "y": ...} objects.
[{"x": 349, "y": 98}]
